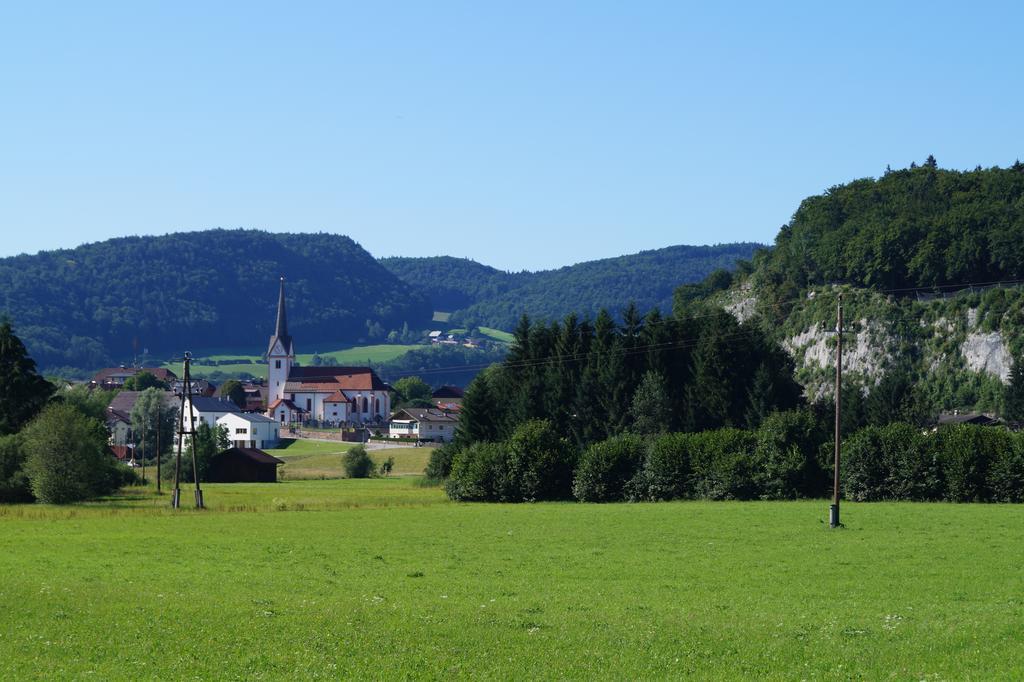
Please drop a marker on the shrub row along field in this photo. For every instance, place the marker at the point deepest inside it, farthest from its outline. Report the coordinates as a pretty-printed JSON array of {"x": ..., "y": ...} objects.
[
  {"x": 788, "y": 457},
  {"x": 398, "y": 582}
]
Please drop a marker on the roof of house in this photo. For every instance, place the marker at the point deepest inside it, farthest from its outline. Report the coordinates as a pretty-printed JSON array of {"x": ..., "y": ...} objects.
[
  {"x": 287, "y": 403},
  {"x": 447, "y": 392},
  {"x": 252, "y": 418},
  {"x": 967, "y": 418},
  {"x": 254, "y": 454},
  {"x": 336, "y": 397},
  {"x": 109, "y": 372},
  {"x": 124, "y": 401},
  {"x": 331, "y": 379},
  {"x": 202, "y": 403},
  {"x": 423, "y": 414}
]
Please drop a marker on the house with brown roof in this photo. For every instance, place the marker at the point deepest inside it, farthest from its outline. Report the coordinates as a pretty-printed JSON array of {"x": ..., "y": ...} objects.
[
  {"x": 423, "y": 424},
  {"x": 335, "y": 395},
  {"x": 110, "y": 378}
]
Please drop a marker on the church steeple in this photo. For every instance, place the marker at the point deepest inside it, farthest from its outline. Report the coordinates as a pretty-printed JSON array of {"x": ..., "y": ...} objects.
[{"x": 281, "y": 330}]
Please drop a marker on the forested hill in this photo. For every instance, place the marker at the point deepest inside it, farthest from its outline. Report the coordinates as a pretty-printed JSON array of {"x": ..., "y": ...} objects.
[
  {"x": 917, "y": 227},
  {"x": 480, "y": 295},
  {"x": 83, "y": 307}
]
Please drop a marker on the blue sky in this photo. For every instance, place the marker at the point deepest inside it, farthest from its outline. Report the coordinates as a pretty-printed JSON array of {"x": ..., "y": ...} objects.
[{"x": 524, "y": 135}]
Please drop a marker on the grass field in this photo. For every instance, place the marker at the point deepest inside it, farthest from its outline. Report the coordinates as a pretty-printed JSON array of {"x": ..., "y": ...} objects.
[
  {"x": 393, "y": 581},
  {"x": 496, "y": 334},
  {"x": 312, "y": 459},
  {"x": 343, "y": 355}
]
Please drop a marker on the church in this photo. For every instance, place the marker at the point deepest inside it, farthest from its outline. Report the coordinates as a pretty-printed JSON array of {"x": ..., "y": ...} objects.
[{"x": 335, "y": 395}]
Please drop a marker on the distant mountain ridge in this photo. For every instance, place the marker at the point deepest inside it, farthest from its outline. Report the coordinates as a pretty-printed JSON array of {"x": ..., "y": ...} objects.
[
  {"x": 92, "y": 306},
  {"x": 479, "y": 295},
  {"x": 85, "y": 307}
]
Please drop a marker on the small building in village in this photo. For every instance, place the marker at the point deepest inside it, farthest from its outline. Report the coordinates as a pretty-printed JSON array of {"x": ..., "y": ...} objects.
[
  {"x": 447, "y": 398},
  {"x": 251, "y": 430},
  {"x": 243, "y": 465},
  {"x": 422, "y": 424},
  {"x": 332, "y": 395},
  {"x": 112, "y": 378}
]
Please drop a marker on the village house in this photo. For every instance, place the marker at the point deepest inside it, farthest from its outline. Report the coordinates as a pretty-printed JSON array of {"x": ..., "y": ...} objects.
[
  {"x": 422, "y": 424},
  {"x": 119, "y": 415},
  {"x": 447, "y": 398},
  {"x": 251, "y": 430},
  {"x": 334, "y": 395},
  {"x": 112, "y": 378},
  {"x": 243, "y": 465}
]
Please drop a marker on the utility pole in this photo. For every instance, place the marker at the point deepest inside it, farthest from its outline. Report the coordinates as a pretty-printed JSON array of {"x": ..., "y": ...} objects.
[
  {"x": 159, "y": 424},
  {"x": 143, "y": 453},
  {"x": 191, "y": 433},
  {"x": 833, "y": 512}
]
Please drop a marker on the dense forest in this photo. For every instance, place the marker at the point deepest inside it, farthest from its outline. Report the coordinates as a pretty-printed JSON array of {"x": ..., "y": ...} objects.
[
  {"x": 917, "y": 227},
  {"x": 482, "y": 296},
  {"x": 85, "y": 307}
]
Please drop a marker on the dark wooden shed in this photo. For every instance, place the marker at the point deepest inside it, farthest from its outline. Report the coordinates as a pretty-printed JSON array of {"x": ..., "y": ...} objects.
[{"x": 243, "y": 465}]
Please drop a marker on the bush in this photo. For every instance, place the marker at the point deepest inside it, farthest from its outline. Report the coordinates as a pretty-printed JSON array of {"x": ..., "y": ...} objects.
[
  {"x": 668, "y": 471},
  {"x": 540, "y": 463},
  {"x": 14, "y": 484},
  {"x": 607, "y": 467},
  {"x": 786, "y": 462},
  {"x": 357, "y": 462},
  {"x": 67, "y": 459},
  {"x": 966, "y": 453},
  {"x": 723, "y": 464},
  {"x": 1006, "y": 475},
  {"x": 479, "y": 473},
  {"x": 439, "y": 466},
  {"x": 894, "y": 462}
]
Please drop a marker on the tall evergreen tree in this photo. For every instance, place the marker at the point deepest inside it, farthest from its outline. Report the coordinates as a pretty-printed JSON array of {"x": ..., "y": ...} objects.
[
  {"x": 651, "y": 410},
  {"x": 22, "y": 391},
  {"x": 1013, "y": 393},
  {"x": 480, "y": 416}
]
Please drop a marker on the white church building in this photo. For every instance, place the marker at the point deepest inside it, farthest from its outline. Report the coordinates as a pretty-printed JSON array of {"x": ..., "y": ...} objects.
[{"x": 337, "y": 395}]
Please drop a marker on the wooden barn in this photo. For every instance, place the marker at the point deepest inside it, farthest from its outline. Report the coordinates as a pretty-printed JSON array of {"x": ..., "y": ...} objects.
[{"x": 243, "y": 465}]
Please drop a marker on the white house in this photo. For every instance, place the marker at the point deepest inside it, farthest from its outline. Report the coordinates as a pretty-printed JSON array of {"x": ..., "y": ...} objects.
[
  {"x": 338, "y": 395},
  {"x": 251, "y": 430},
  {"x": 207, "y": 410},
  {"x": 422, "y": 424}
]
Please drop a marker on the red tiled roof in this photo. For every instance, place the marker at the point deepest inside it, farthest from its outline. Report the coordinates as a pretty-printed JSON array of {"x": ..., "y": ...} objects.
[
  {"x": 336, "y": 397},
  {"x": 159, "y": 372},
  {"x": 284, "y": 401},
  {"x": 334, "y": 379}
]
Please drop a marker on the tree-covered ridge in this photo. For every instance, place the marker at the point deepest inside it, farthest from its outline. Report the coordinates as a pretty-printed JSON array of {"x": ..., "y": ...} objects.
[
  {"x": 482, "y": 296},
  {"x": 918, "y": 227},
  {"x": 83, "y": 307}
]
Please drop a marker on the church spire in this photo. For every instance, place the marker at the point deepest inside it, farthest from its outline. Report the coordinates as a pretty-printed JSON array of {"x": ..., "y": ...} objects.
[{"x": 281, "y": 330}]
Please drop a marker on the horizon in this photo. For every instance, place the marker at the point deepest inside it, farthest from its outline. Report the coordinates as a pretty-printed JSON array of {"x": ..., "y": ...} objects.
[
  {"x": 375, "y": 256},
  {"x": 513, "y": 137}
]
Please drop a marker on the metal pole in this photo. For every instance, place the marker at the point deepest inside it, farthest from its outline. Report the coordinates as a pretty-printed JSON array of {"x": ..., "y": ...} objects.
[{"x": 833, "y": 516}]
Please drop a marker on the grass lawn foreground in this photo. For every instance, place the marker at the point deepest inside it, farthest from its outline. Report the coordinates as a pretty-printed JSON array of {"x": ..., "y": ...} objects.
[{"x": 385, "y": 578}]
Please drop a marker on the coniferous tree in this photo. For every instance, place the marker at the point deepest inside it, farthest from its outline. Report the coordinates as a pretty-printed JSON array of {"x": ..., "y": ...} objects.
[
  {"x": 651, "y": 410},
  {"x": 709, "y": 403},
  {"x": 760, "y": 396},
  {"x": 1013, "y": 393},
  {"x": 22, "y": 391},
  {"x": 480, "y": 415}
]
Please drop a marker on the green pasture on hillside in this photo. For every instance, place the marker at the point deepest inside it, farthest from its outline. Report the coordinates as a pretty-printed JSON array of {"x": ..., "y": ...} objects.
[
  {"x": 311, "y": 459},
  {"x": 342, "y": 355},
  {"x": 389, "y": 580},
  {"x": 496, "y": 334}
]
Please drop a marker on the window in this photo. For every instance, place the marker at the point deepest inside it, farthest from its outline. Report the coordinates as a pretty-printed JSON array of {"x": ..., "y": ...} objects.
[
  {"x": 277, "y": 364},
  {"x": 241, "y": 431},
  {"x": 309, "y": 404},
  {"x": 366, "y": 404}
]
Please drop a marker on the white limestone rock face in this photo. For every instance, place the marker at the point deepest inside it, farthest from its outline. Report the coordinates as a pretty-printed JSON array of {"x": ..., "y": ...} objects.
[
  {"x": 987, "y": 352},
  {"x": 743, "y": 309}
]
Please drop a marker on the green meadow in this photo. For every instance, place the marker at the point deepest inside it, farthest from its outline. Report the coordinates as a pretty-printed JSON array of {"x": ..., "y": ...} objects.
[
  {"x": 203, "y": 364},
  {"x": 385, "y": 579},
  {"x": 313, "y": 459}
]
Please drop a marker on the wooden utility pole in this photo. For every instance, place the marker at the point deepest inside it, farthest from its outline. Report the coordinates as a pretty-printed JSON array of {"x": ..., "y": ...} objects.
[
  {"x": 833, "y": 512},
  {"x": 159, "y": 423},
  {"x": 191, "y": 433},
  {"x": 143, "y": 453}
]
